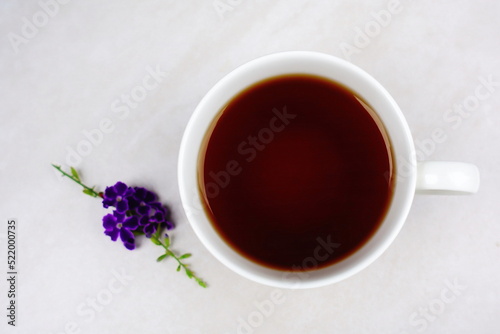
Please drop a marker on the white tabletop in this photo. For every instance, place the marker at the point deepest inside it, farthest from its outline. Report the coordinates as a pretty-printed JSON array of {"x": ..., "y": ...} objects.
[{"x": 68, "y": 68}]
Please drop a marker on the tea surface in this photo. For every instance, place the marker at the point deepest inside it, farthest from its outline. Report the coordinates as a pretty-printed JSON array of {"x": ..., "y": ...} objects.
[{"x": 296, "y": 172}]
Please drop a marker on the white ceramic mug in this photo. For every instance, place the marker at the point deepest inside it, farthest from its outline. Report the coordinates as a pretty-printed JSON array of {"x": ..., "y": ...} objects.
[{"x": 425, "y": 177}]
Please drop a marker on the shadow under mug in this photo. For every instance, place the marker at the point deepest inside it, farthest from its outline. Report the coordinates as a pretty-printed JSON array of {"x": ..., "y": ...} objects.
[{"x": 430, "y": 177}]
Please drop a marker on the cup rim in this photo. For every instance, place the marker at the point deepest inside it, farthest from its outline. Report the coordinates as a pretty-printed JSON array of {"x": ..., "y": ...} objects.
[{"x": 332, "y": 68}]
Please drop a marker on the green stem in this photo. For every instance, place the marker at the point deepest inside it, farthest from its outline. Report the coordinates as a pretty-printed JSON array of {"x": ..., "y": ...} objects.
[
  {"x": 155, "y": 238},
  {"x": 90, "y": 191},
  {"x": 188, "y": 271}
]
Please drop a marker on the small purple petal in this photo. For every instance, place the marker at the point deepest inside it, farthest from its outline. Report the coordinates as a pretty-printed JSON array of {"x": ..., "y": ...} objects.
[
  {"x": 156, "y": 205},
  {"x": 106, "y": 203},
  {"x": 120, "y": 216},
  {"x": 142, "y": 194},
  {"x": 120, "y": 188},
  {"x": 131, "y": 223},
  {"x": 109, "y": 193},
  {"x": 133, "y": 203},
  {"x": 150, "y": 197},
  {"x": 159, "y": 217},
  {"x": 112, "y": 233},
  {"x": 149, "y": 230},
  {"x": 143, "y": 210},
  {"x": 159, "y": 213},
  {"x": 139, "y": 192},
  {"x": 129, "y": 246},
  {"x": 109, "y": 222},
  {"x": 129, "y": 192},
  {"x": 126, "y": 236},
  {"x": 144, "y": 220},
  {"x": 169, "y": 225},
  {"x": 122, "y": 206}
]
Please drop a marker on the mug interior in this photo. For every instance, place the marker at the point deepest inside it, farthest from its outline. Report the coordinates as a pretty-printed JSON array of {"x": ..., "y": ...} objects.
[{"x": 331, "y": 68}]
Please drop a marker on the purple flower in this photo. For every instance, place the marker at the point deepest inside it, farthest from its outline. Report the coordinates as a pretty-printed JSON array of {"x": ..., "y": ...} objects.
[
  {"x": 141, "y": 200},
  {"x": 118, "y": 224},
  {"x": 154, "y": 218},
  {"x": 136, "y": 210},
  {"x": 118, "y": 196},
  {"x": 152, "y": 214}
]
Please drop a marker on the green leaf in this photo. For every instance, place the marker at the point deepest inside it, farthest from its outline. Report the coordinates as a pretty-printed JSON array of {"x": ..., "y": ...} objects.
[
  {"x": 162, "y": 257},
  {"x": 167, "y": 242},
  {"x": 155, "y": 241},
  {"x": 179, "y": 267},
  {"x": 201, "y": 283},
  {"x": 75, "y": 174},
  {"x": 184, "y": 256},
  {"x": 89, "y": 192},
  {"x": 189, "y": 273}
]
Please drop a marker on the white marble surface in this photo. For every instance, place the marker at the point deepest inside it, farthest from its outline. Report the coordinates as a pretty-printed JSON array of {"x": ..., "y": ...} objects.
[{"x": 72, "y": 72}]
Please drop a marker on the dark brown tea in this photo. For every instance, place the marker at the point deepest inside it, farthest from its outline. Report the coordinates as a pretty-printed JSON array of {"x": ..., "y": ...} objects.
[{"x": 296, "y": 172}]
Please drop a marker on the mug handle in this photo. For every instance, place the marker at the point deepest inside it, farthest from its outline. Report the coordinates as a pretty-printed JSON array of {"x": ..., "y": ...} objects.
[{"x": 447, "y": 178}]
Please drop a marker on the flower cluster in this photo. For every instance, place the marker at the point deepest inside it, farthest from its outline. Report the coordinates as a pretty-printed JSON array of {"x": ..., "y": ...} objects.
[{"x": 137, "y": 211}]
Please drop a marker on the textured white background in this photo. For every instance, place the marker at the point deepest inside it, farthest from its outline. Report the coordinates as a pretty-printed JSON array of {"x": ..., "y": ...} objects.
[{"x": 67, "y": 75}]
